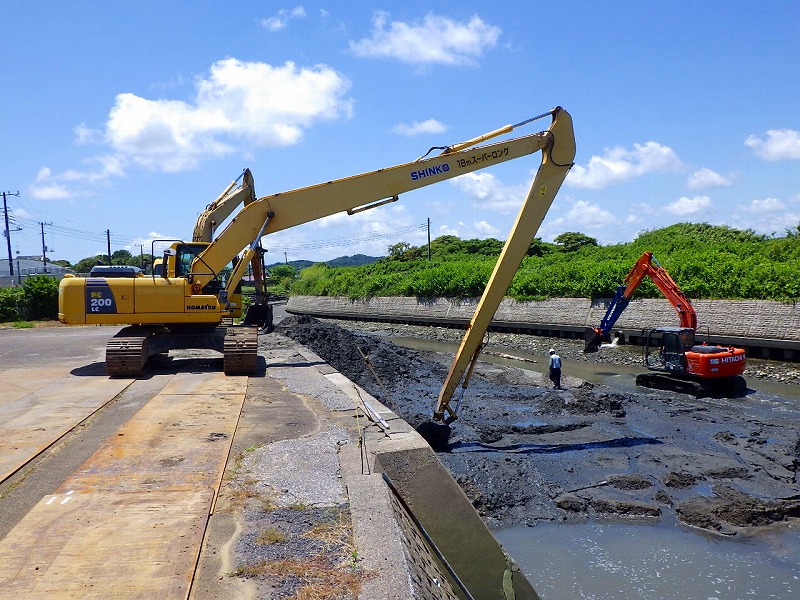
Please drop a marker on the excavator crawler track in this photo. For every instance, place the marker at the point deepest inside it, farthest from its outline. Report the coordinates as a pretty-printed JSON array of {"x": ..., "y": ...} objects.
[
  {"x": 126, "y": 353},
  {"x": 241, "y": 351},
  {"x": 726, "y": 387}
]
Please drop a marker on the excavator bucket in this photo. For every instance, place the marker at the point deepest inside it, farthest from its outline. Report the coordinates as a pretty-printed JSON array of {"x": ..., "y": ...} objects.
[{"x": 593, "y": 337}]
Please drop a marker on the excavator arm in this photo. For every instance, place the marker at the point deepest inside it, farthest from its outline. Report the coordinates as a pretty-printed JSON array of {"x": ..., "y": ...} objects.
[
  {"x": 223, "y": 207},
  {"x": 277, "y": 212},
  {"x": 646, "y": 266}
]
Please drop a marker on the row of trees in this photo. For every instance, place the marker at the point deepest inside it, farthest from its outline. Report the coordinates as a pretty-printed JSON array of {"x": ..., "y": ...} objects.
[
  {"x": 706, "y": 261},
  {"x": 118, "y": 257}
]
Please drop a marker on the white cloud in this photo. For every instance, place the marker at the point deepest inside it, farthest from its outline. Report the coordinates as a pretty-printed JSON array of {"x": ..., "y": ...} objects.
[
  {"x": 281, "y": 20},
  {"x": 765, "y": 205},
  {"x": 418, "y": 128},
  {"x": 706, "y": 178},
  {"x": 475, "y": 230},
  {"x": 72, "y": 183},
  {"x": 433, "y": 40},
  {"x": 251, "y": 102},
  {"x": 619, "y": 164},
  {"x": 780, "y": 144},
  {"x": 147, "y": 244},
  {"x": 238, "y": 106},
  {"x": 85, "y": 135},
  {"x": 584, "y": 215},
  {"x": 490, "y": 192},
  {"x": 688, "y": 206}
]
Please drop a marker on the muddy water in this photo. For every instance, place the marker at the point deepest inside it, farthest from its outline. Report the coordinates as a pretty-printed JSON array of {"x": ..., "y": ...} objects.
[{"x": 613, "y": 561}]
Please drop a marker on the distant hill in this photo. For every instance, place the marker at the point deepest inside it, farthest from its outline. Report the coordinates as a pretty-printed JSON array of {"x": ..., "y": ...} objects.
[
  {"x": 353, "y": 261},
  {"x": 343, "y": 261}
]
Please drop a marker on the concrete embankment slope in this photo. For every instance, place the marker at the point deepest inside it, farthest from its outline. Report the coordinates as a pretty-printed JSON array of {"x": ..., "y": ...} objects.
[{"x": 765, "y": 328}]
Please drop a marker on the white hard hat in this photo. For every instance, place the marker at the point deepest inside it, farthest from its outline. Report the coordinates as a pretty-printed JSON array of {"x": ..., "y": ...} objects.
[{"x": 552, "y": 351}]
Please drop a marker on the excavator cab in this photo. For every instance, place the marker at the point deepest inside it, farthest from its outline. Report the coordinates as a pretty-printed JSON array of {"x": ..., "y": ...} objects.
[{"x": 666, "y": 347}]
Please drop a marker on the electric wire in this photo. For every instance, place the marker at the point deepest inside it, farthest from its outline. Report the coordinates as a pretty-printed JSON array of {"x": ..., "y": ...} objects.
[{"x": 126, "y": 240}]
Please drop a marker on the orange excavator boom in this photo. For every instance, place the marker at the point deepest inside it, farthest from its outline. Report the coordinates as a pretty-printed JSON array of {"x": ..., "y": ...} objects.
[{"x": 646, "y": 266}]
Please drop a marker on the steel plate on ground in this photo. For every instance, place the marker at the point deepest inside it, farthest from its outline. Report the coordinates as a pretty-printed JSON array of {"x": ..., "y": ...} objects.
[
  {"x": 130, "y": 522},
  {"x": 105, "y": 545},
  {"x": 33, "y": 421},
  {"x": 20, "y": 382}
]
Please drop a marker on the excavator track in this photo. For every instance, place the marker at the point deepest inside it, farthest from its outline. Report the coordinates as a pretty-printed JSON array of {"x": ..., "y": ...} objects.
[
  {"x": 241, "y": 351},
  {"x": 726, "y": 387},
  {"x": 126, "y": 352}
]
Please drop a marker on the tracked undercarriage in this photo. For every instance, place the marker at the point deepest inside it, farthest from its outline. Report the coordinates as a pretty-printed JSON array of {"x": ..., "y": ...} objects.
[
  {"x": 128, "y": 351},
  {"x": 716, "y": 388}
]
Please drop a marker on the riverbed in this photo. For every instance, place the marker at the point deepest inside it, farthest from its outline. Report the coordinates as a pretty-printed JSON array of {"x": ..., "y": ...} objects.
[{"x": 604, "y": 490}]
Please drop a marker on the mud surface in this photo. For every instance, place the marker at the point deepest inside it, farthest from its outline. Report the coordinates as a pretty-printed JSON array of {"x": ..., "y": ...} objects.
[{"x": 526, "y": 453}]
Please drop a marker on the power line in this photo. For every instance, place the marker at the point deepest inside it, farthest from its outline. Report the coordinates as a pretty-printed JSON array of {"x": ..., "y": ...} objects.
[
  {"x": 91, "y": 236},
  {"x": 107, "y": 236}
]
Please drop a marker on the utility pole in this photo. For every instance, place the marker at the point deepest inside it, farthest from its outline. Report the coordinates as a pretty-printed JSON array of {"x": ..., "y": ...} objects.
[
  {"x": 44, "y": 247},
  {"x": 429, "y": 238},
  {"x": 286, "y": 258},
  {"x": 8, "y": 231},
  {"x": 108, "y": 239}
]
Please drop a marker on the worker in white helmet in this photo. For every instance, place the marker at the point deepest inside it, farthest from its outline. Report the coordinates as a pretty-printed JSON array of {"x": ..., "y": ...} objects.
[{"x": 555, "y": 369}]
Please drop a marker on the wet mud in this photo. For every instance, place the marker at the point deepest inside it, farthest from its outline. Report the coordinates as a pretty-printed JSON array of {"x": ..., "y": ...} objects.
[{"x": 524, "y": 452}]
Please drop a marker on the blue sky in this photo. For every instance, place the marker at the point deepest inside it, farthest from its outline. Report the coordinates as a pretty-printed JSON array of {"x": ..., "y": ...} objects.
[{"x": 131, "y": 117}]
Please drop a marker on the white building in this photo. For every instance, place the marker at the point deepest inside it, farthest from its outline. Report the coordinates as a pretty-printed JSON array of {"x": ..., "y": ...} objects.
[{"x": 25, "y": 266}]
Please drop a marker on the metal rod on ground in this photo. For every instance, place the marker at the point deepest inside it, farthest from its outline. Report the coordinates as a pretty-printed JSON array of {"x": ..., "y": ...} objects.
[
  {"x": 509, "y": 356},
  {"x": 372, "y": 413},
  {"x": 588, "y": 487},
  {"x": 378, "y": 379}
]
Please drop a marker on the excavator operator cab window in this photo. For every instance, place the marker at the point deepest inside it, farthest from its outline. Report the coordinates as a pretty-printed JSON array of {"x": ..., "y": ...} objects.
[
  {"x": 183, "y": 261},
  {"x": 673, "y": 351},
  {"x": 185, "y": 255}
]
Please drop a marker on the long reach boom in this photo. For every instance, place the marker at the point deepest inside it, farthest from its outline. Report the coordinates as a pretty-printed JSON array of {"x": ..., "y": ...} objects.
[{"x": 199, "y": 290}]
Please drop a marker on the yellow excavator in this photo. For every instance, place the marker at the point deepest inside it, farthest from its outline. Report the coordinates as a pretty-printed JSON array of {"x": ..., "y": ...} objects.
[{"x": 191, "y": 303}]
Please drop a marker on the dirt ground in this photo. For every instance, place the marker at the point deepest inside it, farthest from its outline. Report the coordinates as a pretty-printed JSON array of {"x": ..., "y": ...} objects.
[{"x": 526, "y": 453}]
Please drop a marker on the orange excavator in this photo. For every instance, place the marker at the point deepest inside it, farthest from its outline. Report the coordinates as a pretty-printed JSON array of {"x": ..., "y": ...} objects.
[{"x": 679, "y": 363}]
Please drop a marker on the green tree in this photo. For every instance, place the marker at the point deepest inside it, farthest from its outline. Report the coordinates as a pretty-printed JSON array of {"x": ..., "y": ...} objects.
[
  {"x": 10, "y": 300},
  {"x": 396, "y": 251},
  {"x": 85, "y": 265},
  {"x": 570, "y": 241},
  {"x": 539, "y": 248},
  {"x": 123, "y": 257},
  {"x": 40, "y": 297},
  {"x": 282, "y": 271}
]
